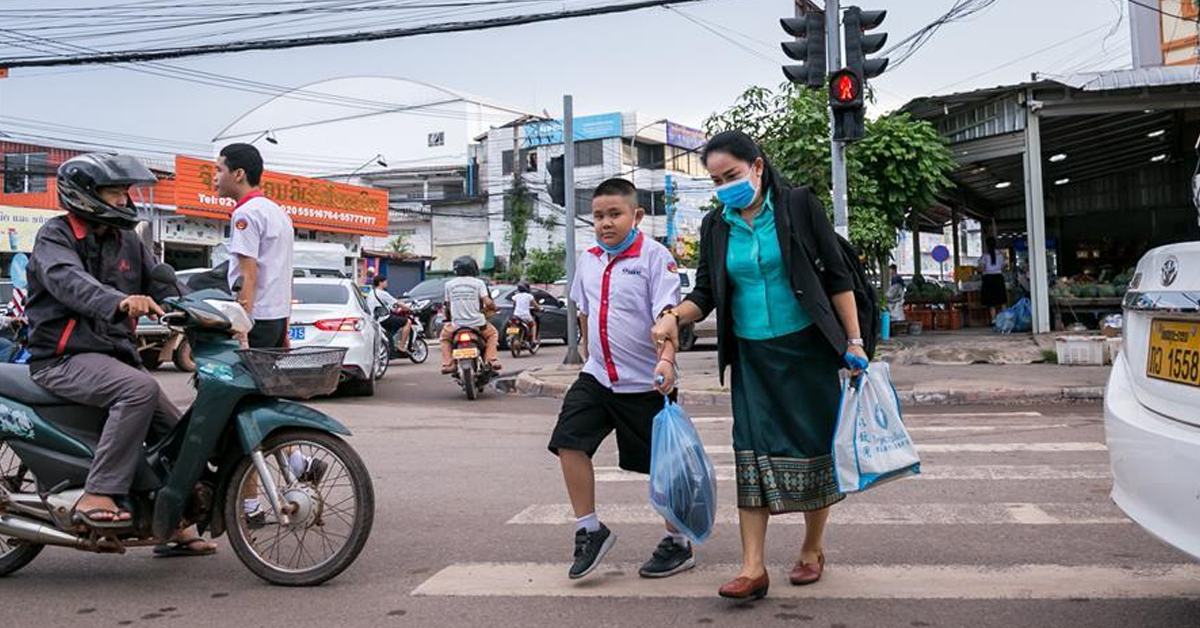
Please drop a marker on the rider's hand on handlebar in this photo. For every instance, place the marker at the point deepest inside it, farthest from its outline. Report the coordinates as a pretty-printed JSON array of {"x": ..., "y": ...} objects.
[{"x": 137, "y": 305}]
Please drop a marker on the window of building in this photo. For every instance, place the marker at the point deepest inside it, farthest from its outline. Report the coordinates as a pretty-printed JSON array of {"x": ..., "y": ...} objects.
[
  {"x": 654, "y": 204},
  {"x": 528, "y": 157},
  {"x": 26, "y": 173},
  {"x": 685, "y": 161},
  {"x": 506, "y": 162},
  {"x": 583, "y": 201},
  {"x": 650, "y": 156},
  {"x": 590, "y": 153}
]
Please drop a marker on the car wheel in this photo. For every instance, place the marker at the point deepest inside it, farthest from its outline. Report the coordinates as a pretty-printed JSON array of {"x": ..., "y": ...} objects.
[
  {"x": 360, "y": 387},
  {"x": 382, "y": 360}
]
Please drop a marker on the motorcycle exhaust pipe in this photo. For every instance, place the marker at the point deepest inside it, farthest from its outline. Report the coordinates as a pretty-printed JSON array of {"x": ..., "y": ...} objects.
[{"x": 34, "y": 532}]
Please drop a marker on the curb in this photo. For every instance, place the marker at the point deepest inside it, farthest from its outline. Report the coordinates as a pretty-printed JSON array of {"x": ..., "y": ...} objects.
[{"x": 528, "y": 383}]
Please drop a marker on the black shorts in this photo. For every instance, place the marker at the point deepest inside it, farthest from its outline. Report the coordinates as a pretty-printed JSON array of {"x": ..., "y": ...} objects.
[
  {"x": 590, "y": 411},
  {"x": 268, "y": 334}
]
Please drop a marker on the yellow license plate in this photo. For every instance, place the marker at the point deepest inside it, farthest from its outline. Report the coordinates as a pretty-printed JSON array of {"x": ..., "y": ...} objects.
[
  {"x": 1174, "y": 353},
  {"x": 512, "y": 331},
  {"x": 465, "y": 354}
]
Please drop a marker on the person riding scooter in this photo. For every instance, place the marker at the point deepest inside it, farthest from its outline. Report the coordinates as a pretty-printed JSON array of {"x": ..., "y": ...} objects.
[
  {"x": 89, "y": 282},
  {"x": 526, "y": 309},
  {"x": 466, "y": 301}
]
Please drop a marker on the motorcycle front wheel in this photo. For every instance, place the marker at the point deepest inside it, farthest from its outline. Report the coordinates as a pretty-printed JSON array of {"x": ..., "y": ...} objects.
[
  {"x": 418, "y": 351},
  {"x": 330, "y": 500}
]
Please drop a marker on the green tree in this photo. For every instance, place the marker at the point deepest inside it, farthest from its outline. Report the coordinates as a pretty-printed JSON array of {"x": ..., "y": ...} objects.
[
  {"x": 519, "y": 213},
  {"x": 901, "y": 163},
  {"x": 546, "y": 266},
  {"x": 399, "y": 244}
]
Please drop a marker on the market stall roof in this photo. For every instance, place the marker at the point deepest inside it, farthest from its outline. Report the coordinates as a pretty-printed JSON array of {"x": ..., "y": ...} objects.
[{"x": 1093, "y": 125}]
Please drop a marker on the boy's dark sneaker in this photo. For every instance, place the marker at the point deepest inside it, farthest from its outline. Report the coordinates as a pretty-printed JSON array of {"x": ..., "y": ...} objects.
[
  {"x": 590, "y": 547},
  {"x": 669, "y": 559}
]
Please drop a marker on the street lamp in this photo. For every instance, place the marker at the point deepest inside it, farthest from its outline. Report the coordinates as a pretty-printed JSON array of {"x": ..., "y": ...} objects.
[
  {"x": 633, "y": 149},
  {"x": 377, "y": 159},
  {"x": 269, "y": 134}
]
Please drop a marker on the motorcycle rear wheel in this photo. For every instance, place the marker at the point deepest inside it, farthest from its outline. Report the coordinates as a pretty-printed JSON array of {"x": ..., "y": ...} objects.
[
  {"x": 418, "y": 351},
  {"x": 515, "y": 346},
  {"x": 14, "y": 553},
  {"x": 468, "y": 383},
  {"x": 286, "y": 555}
]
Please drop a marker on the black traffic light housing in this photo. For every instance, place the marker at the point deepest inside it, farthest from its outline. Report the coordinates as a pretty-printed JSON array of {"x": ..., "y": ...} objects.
[
  {"x": 558, "y": 187},
  {"x": 847, "y": 86},
  {"x": 808, "y": 48}
]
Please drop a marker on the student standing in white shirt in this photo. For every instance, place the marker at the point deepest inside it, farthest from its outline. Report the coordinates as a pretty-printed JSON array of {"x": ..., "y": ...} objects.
[
  {"x": 991, "y": 265},
  {"x": 260, "y": 246}
]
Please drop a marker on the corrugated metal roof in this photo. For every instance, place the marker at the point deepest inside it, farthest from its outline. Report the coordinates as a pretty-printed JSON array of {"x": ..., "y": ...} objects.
[{"x": 1129, "y": 79}]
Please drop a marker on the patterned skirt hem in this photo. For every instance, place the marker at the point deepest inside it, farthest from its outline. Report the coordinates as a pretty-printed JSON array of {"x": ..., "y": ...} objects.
[{"x": 785, "y": 485}]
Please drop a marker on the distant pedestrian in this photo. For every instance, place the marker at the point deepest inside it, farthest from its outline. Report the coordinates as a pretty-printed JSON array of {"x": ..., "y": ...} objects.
[
  {"x": 260, "y": 246},
  {"x": 787, "y": 324},
  {"x": 992, "y": 265},
  {"x": 621, "y": 285}
]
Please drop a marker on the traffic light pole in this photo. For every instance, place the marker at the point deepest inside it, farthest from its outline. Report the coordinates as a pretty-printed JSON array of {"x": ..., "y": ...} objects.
[
  {"x": 568, "y": 135},
  {"x": 837, "y": 150}
]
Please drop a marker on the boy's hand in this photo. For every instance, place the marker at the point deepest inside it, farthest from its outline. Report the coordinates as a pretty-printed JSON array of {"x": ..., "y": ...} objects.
[{"x": 664, "y": 377}]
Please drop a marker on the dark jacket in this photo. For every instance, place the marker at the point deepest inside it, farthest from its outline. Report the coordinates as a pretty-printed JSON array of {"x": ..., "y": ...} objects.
[
  {"x": 811, "y": 256},
  {"x": 77, "y": 281}
]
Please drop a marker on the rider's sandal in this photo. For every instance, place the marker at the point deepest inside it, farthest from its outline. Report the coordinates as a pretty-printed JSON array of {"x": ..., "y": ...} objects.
[
  {"x": 182, "y": 548},
  {"x": 85, "y": 519}
]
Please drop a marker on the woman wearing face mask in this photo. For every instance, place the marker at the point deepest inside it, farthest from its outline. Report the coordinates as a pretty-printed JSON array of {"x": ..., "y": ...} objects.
[{"x": 771, "y": 266}]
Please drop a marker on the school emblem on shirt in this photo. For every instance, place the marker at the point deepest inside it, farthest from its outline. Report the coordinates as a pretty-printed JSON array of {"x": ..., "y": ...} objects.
[
  {"x": 241, "y": 224},
  {"x": 672, "y": 267}
]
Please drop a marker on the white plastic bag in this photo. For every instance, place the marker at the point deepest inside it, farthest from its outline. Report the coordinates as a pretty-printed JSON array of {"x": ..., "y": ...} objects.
[{"x": 870, "y": 444}]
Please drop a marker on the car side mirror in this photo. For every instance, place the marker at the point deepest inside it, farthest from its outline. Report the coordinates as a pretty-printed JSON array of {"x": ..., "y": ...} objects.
[{"x": 562, "y": 304}]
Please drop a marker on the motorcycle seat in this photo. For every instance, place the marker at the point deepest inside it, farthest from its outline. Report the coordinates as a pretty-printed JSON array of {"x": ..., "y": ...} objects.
[{"x": 16, "y": 384}]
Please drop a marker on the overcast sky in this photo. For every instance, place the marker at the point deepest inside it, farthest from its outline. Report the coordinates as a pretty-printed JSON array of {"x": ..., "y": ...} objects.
[{"x": 654, "y": 61}]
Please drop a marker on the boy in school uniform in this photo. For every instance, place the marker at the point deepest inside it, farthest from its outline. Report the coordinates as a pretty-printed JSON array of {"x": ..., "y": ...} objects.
[{"x": 622, "y": 285}]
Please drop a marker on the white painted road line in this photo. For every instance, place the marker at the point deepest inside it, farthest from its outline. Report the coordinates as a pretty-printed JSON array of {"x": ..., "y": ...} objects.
[
  {"x": 865, "y": 513},
  {"x": 975, "y": 448},
  {"x": 867, "y": 582},
  {"x": 996, "y": 472},
  {"x": 700, "y": 420},
  {"x": 937, "y": 429}
]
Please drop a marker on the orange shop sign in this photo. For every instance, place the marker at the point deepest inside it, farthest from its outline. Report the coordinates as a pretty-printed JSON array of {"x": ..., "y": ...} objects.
[{"x": 312, "y": 203}]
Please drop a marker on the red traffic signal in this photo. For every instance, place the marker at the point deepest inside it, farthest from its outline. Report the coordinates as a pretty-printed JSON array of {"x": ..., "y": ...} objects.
[{"x": 845, "y": 90}]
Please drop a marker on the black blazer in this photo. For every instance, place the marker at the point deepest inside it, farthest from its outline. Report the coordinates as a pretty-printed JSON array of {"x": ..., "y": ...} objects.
[{"x": 811, "y": 255}]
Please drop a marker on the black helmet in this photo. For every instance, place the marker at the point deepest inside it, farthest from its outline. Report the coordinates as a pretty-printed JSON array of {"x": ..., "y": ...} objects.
[
  {"x": 79, "y": 178},
  {"x": 465, "y": 266},
  {"x": 523, "y": 286}
]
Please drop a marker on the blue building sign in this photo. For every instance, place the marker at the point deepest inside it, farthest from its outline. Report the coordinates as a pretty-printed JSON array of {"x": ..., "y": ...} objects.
[{"x": 586, "y": 128}]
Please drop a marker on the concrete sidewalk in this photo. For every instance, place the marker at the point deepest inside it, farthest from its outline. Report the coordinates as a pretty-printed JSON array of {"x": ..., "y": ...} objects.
[{"x": 1003, "y": 384}]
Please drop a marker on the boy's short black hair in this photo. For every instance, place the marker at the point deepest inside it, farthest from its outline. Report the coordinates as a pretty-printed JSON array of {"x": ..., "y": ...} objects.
[
  {"x": 377, "y": 280},
  {"x": 617, "y": 186},
  {"x": 244, "y": 157}
]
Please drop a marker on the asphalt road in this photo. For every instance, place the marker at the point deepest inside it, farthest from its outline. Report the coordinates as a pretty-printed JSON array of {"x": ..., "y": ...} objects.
[{"x": 1011, "y": 525}]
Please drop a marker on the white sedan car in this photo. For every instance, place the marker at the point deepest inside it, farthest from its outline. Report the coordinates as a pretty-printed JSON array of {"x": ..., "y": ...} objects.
[
  {"x": 333, "y": 313},
  {"x": 1152, "y": 404}
]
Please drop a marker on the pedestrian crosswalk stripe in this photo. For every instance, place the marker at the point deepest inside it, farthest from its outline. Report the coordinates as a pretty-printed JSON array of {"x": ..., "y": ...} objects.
[
  {"x": 700, "y": 420},
  {"x": 978, "y": 448},
  {"x": 866, "y": 513},
  {"x": 918, "y": 429},
  {"x": 868, "y": 582},
  {"x": 929, "y": 472}
]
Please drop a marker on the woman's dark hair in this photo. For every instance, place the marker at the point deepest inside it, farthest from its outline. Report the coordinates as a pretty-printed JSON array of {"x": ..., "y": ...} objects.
[
  {"x": 742, "y": 147},
  {"x": 990, "y": 246},
  {"x": 377, "y": 281}
]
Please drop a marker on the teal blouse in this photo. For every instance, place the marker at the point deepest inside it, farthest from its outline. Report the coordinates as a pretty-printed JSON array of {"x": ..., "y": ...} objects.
[{"x": 763, "y": 304}]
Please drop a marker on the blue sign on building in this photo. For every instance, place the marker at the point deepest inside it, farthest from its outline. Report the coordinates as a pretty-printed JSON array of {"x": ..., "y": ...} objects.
[{"x": 586, "y": 128}]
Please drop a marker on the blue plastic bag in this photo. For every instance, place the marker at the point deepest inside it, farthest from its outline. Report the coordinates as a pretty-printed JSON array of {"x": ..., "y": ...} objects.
[
  {"x": 1018, "y": 318},
  {"x": 683, "y": 486}
]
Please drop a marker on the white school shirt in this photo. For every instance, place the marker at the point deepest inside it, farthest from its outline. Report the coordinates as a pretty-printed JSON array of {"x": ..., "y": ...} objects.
[
  {"x": 990, "y": 266},
  {"x": 261, "y": 230},
  {"x": 521, "y": 306},
  {"x": 622, "y": 297}
]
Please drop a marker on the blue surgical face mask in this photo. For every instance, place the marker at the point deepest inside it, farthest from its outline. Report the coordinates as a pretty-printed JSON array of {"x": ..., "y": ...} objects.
[
  {"x": 737, "y": 194},
  {"x": 620, "y": 248}
]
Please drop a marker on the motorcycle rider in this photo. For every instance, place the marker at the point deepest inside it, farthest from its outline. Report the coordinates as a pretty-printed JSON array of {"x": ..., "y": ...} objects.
[
  {"x": 466, "y": 301},
  {"x": 89, "y": 282},
  {"x": 380, "y": 297},
  {"x": 526, "y": 308}
]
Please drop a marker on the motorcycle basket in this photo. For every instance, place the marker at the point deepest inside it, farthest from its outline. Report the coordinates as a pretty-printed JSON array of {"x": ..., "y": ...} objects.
[{"x": 297, "y": 373}]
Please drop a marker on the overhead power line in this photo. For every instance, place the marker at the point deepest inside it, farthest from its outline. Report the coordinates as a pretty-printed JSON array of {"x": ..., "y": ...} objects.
[{"x": 128, "y": 56}]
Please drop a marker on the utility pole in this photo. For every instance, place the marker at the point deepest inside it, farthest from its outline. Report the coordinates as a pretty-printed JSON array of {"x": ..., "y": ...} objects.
[
  {"x": 837, "y": 149},
  {"x": 568, "y": 134}
]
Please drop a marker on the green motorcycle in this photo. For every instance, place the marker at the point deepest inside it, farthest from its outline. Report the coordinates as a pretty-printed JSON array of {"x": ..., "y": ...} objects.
[{"x": 276, "y": 476}]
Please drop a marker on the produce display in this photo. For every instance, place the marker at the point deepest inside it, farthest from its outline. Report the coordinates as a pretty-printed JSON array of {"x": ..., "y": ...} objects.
[{"x": 1085, "y": 287}]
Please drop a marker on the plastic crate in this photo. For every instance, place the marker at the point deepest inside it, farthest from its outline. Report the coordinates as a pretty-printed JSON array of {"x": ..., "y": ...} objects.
[{"x": 1081, "y": 350}]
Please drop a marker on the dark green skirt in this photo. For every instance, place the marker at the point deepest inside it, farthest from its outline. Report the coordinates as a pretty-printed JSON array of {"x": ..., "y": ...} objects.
[{"x": 786, "y": 393}]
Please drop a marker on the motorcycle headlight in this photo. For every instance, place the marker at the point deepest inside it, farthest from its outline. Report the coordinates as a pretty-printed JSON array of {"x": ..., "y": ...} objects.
[
  {"x": 235, "y": 315},
  {"x": 420, "y": 304}
]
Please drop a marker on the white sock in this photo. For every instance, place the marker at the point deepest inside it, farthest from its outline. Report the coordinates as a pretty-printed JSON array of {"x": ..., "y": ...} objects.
[
  {"x": 591, "y": 523},
  {"x": 679, "y": 539}
]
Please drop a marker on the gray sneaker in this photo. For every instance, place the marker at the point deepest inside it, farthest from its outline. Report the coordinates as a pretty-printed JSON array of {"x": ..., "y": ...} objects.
[
  {"x": 669, "y": 559},
  {"x": 590, "y": 547}
]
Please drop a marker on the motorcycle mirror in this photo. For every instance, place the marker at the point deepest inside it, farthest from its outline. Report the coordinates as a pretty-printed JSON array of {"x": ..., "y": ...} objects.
[{"x": 163, "y": 273}]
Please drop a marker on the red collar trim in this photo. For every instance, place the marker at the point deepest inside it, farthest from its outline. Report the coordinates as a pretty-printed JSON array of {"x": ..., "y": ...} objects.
[
  {"x": 634, "y": 250},
  {"x": 79, "y": 226},
  {"x": 249, "y": 195}
]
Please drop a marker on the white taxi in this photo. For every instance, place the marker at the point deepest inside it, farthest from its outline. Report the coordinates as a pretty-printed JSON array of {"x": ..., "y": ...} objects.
[{"x": 1152, "y": 403}]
